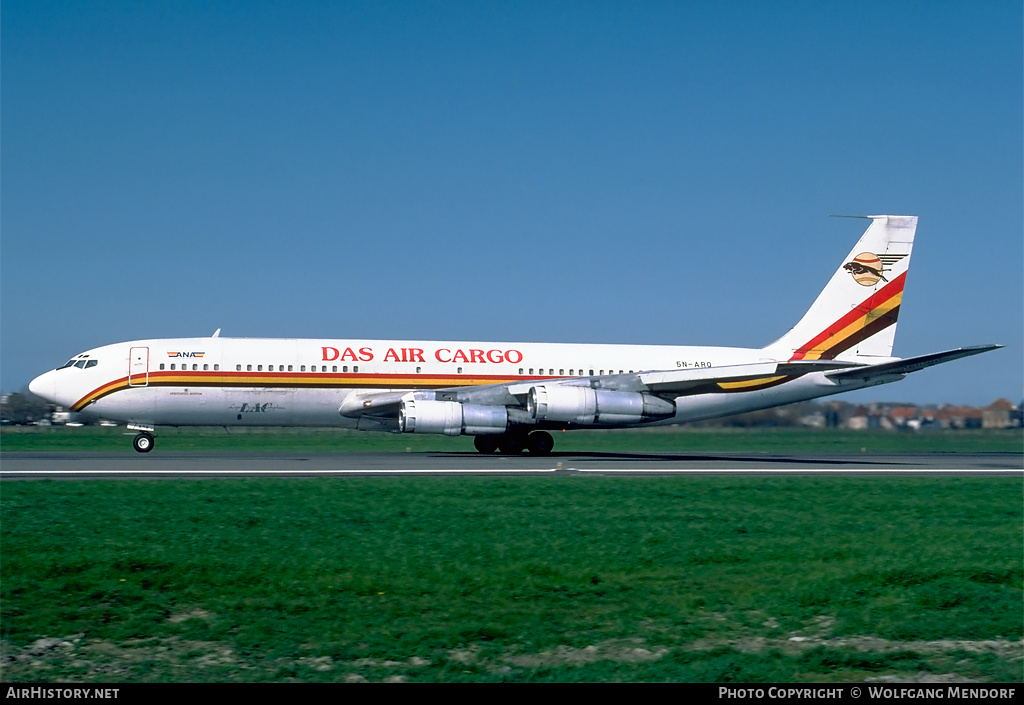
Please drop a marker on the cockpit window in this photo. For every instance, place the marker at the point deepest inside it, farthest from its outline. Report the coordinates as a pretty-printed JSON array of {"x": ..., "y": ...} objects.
[{"x": 82, "y": 362}]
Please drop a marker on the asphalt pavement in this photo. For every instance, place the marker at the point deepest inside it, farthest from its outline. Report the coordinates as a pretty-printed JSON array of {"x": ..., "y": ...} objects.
[{"x": 81, "y": 465}]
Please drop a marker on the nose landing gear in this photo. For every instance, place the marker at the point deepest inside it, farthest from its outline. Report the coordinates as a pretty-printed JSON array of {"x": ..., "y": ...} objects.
[{"x": 143, "y": 442}]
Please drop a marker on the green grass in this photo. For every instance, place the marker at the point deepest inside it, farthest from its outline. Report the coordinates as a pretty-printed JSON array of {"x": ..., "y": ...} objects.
[
  {"x": 747, "y": 579},
  {"x": 684, "y": 440}
]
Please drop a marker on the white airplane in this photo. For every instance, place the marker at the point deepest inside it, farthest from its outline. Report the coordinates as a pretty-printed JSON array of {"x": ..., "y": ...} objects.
[{"x": 508, "y": 396}]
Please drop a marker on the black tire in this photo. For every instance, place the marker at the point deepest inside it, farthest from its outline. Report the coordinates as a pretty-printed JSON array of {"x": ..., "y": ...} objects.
[
  {"x": 540, "y": 443},
  {"x": 511, "y": 444},
  {"x": 485, "y": 444},
  {"x": 143, "y": 442}
]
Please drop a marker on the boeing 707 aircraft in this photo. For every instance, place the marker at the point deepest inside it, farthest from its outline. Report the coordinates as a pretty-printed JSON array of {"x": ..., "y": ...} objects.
[{"x": 508, "y": 396}]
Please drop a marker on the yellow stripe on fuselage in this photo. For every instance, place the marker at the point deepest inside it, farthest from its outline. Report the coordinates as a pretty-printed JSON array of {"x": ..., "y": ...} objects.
[
  {"x": 750, "y": 383},
  {"x": 297, "y": 380}
]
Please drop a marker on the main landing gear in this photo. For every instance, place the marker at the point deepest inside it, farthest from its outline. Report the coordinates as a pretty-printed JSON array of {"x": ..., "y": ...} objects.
[
  {"x": 538, "y": 443},
  {"x": 144, "y": 442}
]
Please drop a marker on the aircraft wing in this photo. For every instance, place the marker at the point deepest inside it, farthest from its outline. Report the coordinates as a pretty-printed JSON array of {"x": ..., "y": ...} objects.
[
  {"x": 665, "y": 383},
  {"x": 698, "y": 380},
  {"x": 384, "y": 404}
]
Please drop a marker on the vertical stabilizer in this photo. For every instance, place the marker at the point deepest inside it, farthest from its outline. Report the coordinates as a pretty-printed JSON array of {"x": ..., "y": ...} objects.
[{"x": 854, "y": 317}]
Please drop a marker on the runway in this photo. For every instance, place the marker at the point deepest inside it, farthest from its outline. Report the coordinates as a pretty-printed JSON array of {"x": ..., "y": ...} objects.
[{"x": 79, "y": 465}]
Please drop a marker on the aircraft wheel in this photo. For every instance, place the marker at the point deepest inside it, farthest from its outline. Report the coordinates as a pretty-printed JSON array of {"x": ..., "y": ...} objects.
[
  {"x": 485, "y": 444},
  {"x": 511, "y": 444},
  {"x": 143, "y": 442},
  {"x": 540, "y": 443}
]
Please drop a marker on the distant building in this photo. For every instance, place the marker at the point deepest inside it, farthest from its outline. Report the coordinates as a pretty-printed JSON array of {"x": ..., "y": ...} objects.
[
  {"x": 1000, "y": 414},
  {"x": 857, "y": 423},
  {"x": 904, "y": 416}
]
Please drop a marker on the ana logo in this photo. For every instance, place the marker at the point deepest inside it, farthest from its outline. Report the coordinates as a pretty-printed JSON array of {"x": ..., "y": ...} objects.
[
  {"x": 185, "y": 354},
  {"x": 867, "y": 268}
]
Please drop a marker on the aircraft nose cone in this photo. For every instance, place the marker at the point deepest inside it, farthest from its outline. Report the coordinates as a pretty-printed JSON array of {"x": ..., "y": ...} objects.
[{"x": 44, "y": 386}]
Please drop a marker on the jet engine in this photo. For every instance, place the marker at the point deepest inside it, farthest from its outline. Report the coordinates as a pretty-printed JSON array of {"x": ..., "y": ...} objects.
[
  {"x": 587, "y": 406},
  {"x": 451, "y": 418}
]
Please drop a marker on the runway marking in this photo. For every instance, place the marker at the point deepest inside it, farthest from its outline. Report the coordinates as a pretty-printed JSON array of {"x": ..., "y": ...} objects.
[
  {"x": 887, "y": 471},
  {"x": 254, "y": 472}
]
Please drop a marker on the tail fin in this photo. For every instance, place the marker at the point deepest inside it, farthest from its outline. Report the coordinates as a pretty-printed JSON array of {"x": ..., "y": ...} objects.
[{"x": 854, "y": 317}]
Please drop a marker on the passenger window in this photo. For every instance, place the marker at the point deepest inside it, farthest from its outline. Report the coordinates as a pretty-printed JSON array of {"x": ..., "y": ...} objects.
[
  {"x": 248, "y": 368},
  {"x": 520, "y": 370},
  {"x": 289, "y": 368},
  {"x": 161, "y": 365},
  {"x": 195, "y": 365},
  {"x": 238, "y": 368},
  {"x": 334, "y": 368},
  {"x": 355, "y": 368},
  {"x": 344, "y": 368}
]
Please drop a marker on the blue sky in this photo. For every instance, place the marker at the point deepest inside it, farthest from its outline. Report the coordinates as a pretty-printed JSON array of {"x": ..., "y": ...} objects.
[{"x": 552, "y": 171}]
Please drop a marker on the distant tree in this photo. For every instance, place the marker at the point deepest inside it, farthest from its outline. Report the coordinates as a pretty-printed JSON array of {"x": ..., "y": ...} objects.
[{"x": 24, "y": 408}]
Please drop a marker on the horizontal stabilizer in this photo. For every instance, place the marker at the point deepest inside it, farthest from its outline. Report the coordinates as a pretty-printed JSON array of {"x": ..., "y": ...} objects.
[
  {"x": 909, "y": 364},
  {"x": 697, "y": 378}
]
